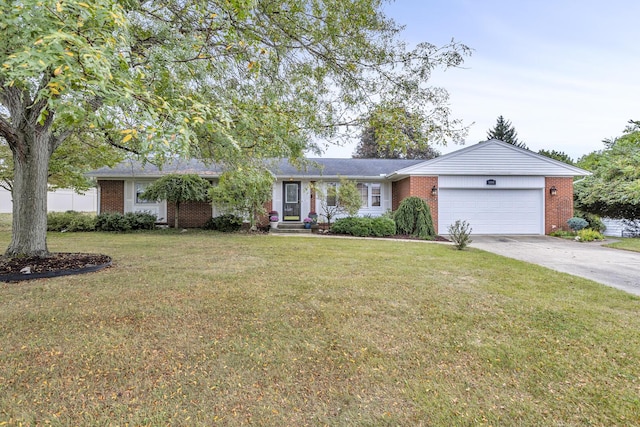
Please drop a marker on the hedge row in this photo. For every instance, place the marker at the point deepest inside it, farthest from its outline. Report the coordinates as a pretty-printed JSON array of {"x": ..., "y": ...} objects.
[
  {"x": 114, "y": 221},
  {"x": 365, "y": 226},
  {"x": 108, "y": 221}
]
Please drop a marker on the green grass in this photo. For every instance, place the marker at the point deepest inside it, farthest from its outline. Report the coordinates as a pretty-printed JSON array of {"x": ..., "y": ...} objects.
[
  {"x": 629, "y": 244},
  {"x": 203, "y": 328}
]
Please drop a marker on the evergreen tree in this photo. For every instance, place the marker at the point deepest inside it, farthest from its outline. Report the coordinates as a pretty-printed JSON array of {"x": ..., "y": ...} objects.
[
  {"x": 557, "y": 155},
  {"x": 505, "y": 132}
]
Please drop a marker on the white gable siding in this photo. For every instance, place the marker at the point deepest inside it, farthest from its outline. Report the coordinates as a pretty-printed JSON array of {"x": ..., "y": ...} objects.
[{"x": 493, "y": 158}]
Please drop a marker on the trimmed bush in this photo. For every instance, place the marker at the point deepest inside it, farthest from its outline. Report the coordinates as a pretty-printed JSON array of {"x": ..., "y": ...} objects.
[
  {"x": 70, "y": 221},
  {"x": 413, "y": 217},
  {"x": 576, "y": 223},
  {"x": 112, "y": 221},
  {"x": 225, "y": 223},
  {"x": 141, "y": 220},
  {"x": 115, "y": 221},
  {"x": 383, "y": 226},
  {"x": 364, "y": 226}
]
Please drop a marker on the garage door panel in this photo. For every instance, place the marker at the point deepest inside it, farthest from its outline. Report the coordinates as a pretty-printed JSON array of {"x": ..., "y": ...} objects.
[{"x": 497, "y": 211}]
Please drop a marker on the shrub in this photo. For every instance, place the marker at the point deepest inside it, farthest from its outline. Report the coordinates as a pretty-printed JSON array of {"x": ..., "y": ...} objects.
[
  {"x": 225, "y": 223},
  {"x": 589, "y": 235},
  {"x": 115, "y": 221},
  {"x": 383, "y": 226},
  {"x": 576, "y": 223},
  {"x": 141, "y": 220},
  {"x": 70, "y": 221},
  {"x": 112, "y": 221},
  {"x": 352, "y": 225},
  {"x": 562, "y": 233},
  {"x": 365, "y": 226},
  {"x": 413, "y": 217},
  {"x": 593, "y": 221},
  {"x": 460, "y": 233}
]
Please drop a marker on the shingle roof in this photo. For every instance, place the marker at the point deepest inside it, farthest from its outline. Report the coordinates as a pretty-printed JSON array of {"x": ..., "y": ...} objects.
[{"x": 348, "y": 168}]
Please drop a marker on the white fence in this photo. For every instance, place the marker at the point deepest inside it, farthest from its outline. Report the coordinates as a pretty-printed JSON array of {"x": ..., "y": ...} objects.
[{"x": 59, "y": 201}]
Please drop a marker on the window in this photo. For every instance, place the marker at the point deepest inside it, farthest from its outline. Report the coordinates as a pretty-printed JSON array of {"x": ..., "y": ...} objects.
[
  {"x": 331, "y": 194},
  {"x": 140, "y": 187},
  {"x": 375, "y": 195},
  {"x": 363, "y": 189},
  {"x": 369, "y": 194},
  {"x": 291, "y": 193}
]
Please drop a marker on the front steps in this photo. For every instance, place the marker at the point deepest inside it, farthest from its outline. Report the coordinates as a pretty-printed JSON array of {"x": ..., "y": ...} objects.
[{"x": 290, "y": 228}]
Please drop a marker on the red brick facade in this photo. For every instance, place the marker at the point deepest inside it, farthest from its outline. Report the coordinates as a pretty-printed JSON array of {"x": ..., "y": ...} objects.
[
  {"x": 558, "y": 207},
  {"x": 192, "y": 214},
  {"x": 111, "y": 196},
  {"x": 420, "y": 186}
]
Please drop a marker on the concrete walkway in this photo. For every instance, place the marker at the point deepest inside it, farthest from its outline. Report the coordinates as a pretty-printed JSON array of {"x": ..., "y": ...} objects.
[{"x": 617, "y": 268}]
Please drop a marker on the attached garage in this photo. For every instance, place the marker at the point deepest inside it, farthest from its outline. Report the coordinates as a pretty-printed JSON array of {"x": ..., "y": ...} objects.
[
  {"x": 494, "y": 186},
  {"x": 496, "y": 211}
]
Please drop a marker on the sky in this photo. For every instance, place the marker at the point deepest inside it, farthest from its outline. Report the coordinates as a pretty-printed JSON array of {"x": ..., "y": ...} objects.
[{"x": 566, "y": 74}]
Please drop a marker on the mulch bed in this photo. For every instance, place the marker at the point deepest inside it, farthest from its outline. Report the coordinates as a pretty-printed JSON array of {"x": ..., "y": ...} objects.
[{"x": 56, "y": 264}]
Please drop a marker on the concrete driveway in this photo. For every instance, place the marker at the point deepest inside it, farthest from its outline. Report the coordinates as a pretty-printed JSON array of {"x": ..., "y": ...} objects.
[{"x": 613, "y": 267}]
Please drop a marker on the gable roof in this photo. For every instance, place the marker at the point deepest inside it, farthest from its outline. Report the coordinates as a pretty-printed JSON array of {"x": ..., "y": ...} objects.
[
  {"x": 314, "y": 168},
  {"x": 492, "y": 157}
]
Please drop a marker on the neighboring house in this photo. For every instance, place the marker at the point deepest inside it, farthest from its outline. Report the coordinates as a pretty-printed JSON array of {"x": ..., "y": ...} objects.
[
  {"x": 496, "y": 187},
  {"x": 61, "y": 200},
  {"x": 621, "y": 227}
]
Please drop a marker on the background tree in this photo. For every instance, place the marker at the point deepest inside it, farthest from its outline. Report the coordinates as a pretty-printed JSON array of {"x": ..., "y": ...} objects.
[
  {"x": 224, "y": 80},
  {"x": 614, "y": 188},
  {"x": 338, "y": 199},
  {"x": 413, "y": 141},
  {"x": 178, "y": 188},
  {"x": 244, "y": 192},
  {"x": 557, "y": 155},
  {"x": 505, "y": 132}
]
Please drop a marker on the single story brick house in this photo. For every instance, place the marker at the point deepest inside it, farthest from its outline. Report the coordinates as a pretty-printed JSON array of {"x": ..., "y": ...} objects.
[{"x": 496, "y": 187}]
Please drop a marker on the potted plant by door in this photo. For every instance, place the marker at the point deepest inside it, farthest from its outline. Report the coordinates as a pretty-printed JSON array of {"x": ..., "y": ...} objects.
[
  {"x": 273, "y": 219},
  {"x": 307, "y": 222}
]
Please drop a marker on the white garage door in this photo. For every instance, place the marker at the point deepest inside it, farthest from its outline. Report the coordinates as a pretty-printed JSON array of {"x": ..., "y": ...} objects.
[{"x": 495, "y": 211}]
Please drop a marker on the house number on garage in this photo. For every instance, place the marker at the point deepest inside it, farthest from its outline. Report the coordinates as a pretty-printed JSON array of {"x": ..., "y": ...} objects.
[{"x": 491, "y": 182}]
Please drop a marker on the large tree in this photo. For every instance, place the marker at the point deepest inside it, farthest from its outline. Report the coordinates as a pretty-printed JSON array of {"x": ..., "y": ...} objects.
[
  {"x": 614, "y": 188},
  {"x": 228, "y": 80},
  {"x": 505, "y": 132},
  {"x": 412, "y": 138}
]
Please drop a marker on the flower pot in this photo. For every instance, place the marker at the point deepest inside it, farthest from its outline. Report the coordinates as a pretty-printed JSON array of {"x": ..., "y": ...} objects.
[
  {"x": 274, "y": 224},
  {"x": 307, "y": 225}
]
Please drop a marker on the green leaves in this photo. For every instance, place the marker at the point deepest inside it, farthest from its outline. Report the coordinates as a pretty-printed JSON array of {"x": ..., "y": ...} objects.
[
  {"x": 178, "y": 188},
  {"x": 244, "y": 191},
  {"x": 614, "y": 188}
]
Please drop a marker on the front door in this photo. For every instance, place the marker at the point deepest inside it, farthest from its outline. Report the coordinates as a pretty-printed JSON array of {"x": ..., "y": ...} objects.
[{"x": 291, "y": 204}]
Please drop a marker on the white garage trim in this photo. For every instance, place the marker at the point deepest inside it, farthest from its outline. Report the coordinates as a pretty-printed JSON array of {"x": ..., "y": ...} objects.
[{"x": 492, "y": 211}]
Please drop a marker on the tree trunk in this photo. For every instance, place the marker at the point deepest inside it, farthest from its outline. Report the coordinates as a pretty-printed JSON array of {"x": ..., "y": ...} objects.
[{"x": 29, "y": 234}]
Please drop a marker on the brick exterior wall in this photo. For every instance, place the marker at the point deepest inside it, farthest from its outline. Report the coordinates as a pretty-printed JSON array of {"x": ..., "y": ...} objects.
[
  {"x": 419, "y": 186},
  {"x": 558, "y": 208},
  {"x": 111, "y": 196},
  {"x": 192, "y": 214}
]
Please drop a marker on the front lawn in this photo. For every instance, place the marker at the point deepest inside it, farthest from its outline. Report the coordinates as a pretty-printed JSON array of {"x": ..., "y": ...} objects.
[
  {"x": 203, "y": 328},
  {"x": 629, "y": 244}
]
